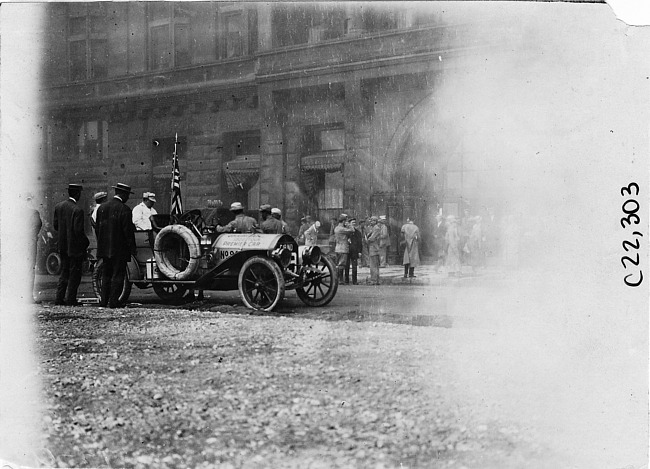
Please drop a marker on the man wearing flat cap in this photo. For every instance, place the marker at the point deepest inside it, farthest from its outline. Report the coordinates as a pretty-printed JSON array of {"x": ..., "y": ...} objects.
[
  {"x": 305, "y": 223},
  {"x": 115, "y": 244},
  {"x": 265, "y": 212},
  {"x": 143, "y": 211},
  {"x": 241, "y": 224},
  {"x": 73, "y": 242},
  {"x": 277, "y": 214},
  {"x": 342, "y": 234},
  {"x": 271, "y": 225},
  {"x": 100, "y": 198}
]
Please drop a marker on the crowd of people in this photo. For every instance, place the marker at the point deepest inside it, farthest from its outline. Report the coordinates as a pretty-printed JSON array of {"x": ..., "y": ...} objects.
[{"x": 457, "y": 242}]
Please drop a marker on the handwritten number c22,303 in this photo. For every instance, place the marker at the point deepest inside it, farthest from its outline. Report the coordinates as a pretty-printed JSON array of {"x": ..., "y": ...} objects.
[
  {"x": 628, "y": 243},
  {"x": 629, "y": 219},
  {"x": 629, "y": 190},
  {"x": 635, "y": 284},
  {"x": 623, "y": 259}
]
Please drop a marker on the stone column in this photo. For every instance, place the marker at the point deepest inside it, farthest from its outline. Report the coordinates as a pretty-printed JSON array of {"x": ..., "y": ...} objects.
[{"x": 272, "y": 151}]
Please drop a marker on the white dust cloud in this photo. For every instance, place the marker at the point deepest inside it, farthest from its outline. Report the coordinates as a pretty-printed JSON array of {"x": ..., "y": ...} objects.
[{"x": 555, "y": 110}]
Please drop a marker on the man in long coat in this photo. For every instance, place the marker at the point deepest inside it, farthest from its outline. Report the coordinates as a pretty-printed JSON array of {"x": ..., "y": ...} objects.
[
  {"x": 373, "y": 250},
  {"x": 115, "y": 244},
  {"x": 439, "y": 243},
  {"x": 384, "y": 241},
  {"x": 411, "y": 260},
  {"x": 73, "y": 242}
]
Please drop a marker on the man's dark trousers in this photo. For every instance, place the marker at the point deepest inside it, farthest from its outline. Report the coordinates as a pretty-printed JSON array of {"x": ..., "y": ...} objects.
[
  {"x": 113, "y": 280},
  {"x": 69, "y": 280}
]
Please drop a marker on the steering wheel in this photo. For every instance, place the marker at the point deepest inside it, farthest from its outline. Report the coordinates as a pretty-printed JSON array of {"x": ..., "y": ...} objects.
[{"x": 193, "y": 216}]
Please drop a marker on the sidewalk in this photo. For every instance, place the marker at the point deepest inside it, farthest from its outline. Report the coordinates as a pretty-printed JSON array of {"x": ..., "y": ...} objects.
[
  {"x": 391, "y": 275},
  {"x": 424, "y": 275}
]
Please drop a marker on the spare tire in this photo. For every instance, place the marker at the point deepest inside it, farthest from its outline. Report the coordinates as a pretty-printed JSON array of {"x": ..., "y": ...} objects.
[{"x": 177, "y": 252}]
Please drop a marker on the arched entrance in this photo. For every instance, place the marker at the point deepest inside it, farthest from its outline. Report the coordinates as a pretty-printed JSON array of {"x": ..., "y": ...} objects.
[{"x": 414, "y": 168}]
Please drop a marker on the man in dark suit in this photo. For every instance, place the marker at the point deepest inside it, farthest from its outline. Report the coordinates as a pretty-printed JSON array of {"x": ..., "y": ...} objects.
[
  {"x": 73, "y": 242},
  {"x": 356, "y": 246},
  {"x": 115, "y": 244}
]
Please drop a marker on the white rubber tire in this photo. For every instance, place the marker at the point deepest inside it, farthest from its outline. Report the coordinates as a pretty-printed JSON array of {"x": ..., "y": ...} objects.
[{"x": 164, "y": 263}]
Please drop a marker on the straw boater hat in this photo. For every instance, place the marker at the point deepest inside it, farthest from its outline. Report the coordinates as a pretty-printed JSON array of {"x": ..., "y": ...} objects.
[
  {"x": 123, "y": 187},
  {"x": 75, "y": 187},
  {"x": 276, "y": 211},
  {"x": 382, "y": 218},
  {"x": 265, "y": 208},
  {"x": 151, "y": 196},
  {"x": 236, "y": 206}
]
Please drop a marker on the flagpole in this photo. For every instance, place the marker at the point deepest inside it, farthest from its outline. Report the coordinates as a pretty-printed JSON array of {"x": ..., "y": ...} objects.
[{"x": 176, "y": 200}]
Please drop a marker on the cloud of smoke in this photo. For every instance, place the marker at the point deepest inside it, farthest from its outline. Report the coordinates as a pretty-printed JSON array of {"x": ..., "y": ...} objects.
[{"x": 550, "y": 110}]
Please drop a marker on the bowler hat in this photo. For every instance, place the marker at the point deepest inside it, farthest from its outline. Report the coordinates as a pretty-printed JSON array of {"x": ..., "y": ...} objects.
[
  {"x": 75, "y": 187},
  {"x": 123, "y": 187},
  {"x": 236, "y": 206},
  {"x": 100, "y": 195}
]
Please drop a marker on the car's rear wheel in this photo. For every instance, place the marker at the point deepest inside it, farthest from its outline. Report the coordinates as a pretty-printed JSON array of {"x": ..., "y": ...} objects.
[
  {"x": 98, "y": 272},
  {"x": 53, "y": 263},
  {"x": 320, "y": 284},
  {"x": 261, "y": 283},
  {"x": 169, "y": 291}
]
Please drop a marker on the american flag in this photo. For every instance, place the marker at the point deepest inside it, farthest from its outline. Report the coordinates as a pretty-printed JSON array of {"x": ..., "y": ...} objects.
[{"x": 177, "y": 202}]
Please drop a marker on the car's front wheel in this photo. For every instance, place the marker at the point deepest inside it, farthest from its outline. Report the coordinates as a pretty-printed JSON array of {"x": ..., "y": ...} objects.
[
  {"x": 320, "y": 283},
  {"x": 261, "y": 284}
]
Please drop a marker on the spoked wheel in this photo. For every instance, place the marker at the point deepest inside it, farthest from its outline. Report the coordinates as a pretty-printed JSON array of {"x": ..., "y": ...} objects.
[
  {"x": 320, "y": 284},
  {"x": 261, "y": 283},
  {"x": 98, "y": 272},
  {"x": 53, "y": 263},
  {"x": 169, "y": 291}
]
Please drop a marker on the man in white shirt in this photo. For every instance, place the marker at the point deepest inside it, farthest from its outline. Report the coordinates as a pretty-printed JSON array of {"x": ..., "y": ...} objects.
[
  {"x": 143, "y": 211},
  {"x": 100, "y": 198}
]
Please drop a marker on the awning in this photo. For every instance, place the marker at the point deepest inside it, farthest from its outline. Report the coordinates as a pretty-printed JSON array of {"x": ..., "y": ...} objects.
[
  {"x": 242, "y": 172},
  {"x": 331, "y": 161}
]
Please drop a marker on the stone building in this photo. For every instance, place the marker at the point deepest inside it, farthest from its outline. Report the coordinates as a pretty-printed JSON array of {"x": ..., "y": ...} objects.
[{"x": 314, "y": 108}]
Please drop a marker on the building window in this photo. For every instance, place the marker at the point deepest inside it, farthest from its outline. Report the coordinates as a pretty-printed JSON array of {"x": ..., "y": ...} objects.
[
  {"x": 237, "y": 31},
  {"x": 322, "y": 138},
  {"x": 375, "y": 19},
  {"x": 87, "y": 43},
  {"x": 302, "y": 24},
  {"x": 234, "y": 34},
  {"x": 163, "y": 150},
  {"x": 91, "y": 139},
  {"x": 169, "y": 35}
]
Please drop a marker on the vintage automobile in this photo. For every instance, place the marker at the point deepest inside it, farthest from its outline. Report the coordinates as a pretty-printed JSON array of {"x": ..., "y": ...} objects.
[{"x": 187, "y": 253}]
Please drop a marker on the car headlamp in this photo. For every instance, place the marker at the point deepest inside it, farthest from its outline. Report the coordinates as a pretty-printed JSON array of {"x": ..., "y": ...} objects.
[
  {"x": 282, "y": 255},
  {"x": 311, "y": 255}
]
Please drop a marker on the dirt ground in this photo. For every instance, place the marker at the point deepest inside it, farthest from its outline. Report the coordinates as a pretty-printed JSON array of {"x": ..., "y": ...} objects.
[{"x": 179, "y": 388}]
